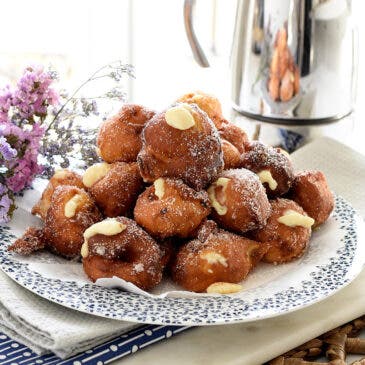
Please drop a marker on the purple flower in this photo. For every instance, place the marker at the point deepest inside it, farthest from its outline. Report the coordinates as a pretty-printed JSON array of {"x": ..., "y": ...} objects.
[
  {"x": 7, "y": 129},
  {"x": 33, "y": 94},
  {"x": 24, "y": 108},
  {"x": 6, "y": 151},
  {"x": 3, "y": 189},
  {"x": 5, "y": 205},
  {"x": 25, "y": 169},
  {"x": 15, "y": 135},
  {"x": 6, "y": 97}
]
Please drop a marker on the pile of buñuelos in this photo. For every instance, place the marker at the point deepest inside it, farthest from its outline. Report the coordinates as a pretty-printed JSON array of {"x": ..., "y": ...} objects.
[{"x": 181, "y": 192}]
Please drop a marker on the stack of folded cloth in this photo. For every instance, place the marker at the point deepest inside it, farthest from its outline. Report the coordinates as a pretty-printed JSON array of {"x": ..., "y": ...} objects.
[{"x": 45, "y": 327}]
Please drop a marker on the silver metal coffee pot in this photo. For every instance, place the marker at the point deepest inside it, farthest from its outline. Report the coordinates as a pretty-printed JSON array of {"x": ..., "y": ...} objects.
[{"x": 292, "y": 61}]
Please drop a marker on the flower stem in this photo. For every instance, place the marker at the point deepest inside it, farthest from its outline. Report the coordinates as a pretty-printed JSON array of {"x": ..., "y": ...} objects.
[{"x": 91, "y": 78}]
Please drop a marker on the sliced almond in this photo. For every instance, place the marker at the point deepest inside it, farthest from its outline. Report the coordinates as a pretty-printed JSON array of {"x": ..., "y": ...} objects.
[
  {"x": 291, "y": 218},
  {"x": 95, "y": 173},
  {"x": 180, "y": 117},
  {"x": 107, "y": 227},
  {"x": 266, "y": 177},
  {"x": 214, "y": 258},
  {"x": 224, "y": 288},
  {"x": 217, "y": 205},
  {"x": 72, "y": 205},
  {"x": 159, "y": 185}
]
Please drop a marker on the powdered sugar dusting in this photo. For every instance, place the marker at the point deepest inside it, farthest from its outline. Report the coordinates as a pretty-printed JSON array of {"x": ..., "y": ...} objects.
[
  {"x": 259, "y": 157},
  {"x": 177, "y": 213},
  {"x": 194, "y": 155},
  {"x": 138, "y": 267},
  {"x": 246, "y": 202}
]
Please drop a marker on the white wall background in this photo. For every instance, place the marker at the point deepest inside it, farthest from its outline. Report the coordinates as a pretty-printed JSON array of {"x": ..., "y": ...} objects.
[{"x": 79, "y": 36}]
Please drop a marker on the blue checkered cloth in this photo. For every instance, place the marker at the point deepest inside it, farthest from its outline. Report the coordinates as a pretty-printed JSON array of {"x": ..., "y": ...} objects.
[{"x": 14, "y": 353}]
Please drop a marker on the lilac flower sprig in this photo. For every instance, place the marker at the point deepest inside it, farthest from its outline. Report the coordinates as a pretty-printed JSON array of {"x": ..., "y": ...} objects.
[
  {"x": 114, "y": 70},
  {"x": 23, "y": 109},
  {"x": 41, "y": 128},
  {"x": 6, "y": 151},
  {"x": 6, "y": 203},
  {"x": 71, "y": 135},
  {"x": 33, "y": 94}
]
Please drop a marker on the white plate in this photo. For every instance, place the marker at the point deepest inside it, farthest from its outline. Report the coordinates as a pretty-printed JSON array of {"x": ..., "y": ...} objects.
[{"x": 335, "y": 257}]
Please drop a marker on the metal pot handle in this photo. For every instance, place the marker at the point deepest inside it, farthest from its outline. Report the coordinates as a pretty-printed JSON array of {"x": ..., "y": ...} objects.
[{"x": 198, "y": 52}]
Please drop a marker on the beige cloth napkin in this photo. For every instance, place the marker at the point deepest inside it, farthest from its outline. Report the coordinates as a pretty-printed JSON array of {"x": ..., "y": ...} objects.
[
  {"x": 256, "y": 342},
  {"x": 44, "y": 326}
]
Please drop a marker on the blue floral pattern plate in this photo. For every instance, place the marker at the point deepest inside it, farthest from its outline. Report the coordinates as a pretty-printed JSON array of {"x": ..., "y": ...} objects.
[{"x": 334, "y": 258}]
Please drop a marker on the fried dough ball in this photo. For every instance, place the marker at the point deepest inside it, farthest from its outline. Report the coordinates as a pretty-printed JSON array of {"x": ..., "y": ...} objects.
[
  {"x": 231, "y": 156},
  {"x": 31, "y": 241},
  {"x": 310, "y": 190},
  {"x": 171, "y": 208},
  {"x": 181, "y": 143},
  {"x": 119, "y": 247},
  {"x": 272, "y": 166},
  {"x": 61, "y": 177},
  {"x": 287, "y": 231},
  {"x": 119, "y": 136},
  {"x": 71, "y": 212},
  {"x": 215, "y": 256},
  {"x": 239, "y": 201},
  {"x": 234, "y": 141},
  {"x": 208, "y": 103},
  {"x": 114, "y": 187}
]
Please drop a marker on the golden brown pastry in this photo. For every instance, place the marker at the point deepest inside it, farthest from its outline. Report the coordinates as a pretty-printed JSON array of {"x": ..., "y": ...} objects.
[
  {"x": 234, "y": 141},
  {"x": 171, "y": 208},
  {"x": 181, "y": 143},
  {"x": 119, "y": 247},
  {"x": 231, "y": 156},
  {"x": 119, "y": 136},
  {"x": 215, "y": 256},
  {"x": 31, "y": 241},
  {"x": 114, "y": 187},
  {"x": 272, "y": 166},
  {"x": 310, "y": 190},
  {"x": 239, "y": 201},
  {"x": 181, "y": 151},
  {"x": 61, "y": 177},
  {"x": 71, "y": 212},
  {"x": 287, "y": 232},
  {"x": 208, "y": 103}
]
